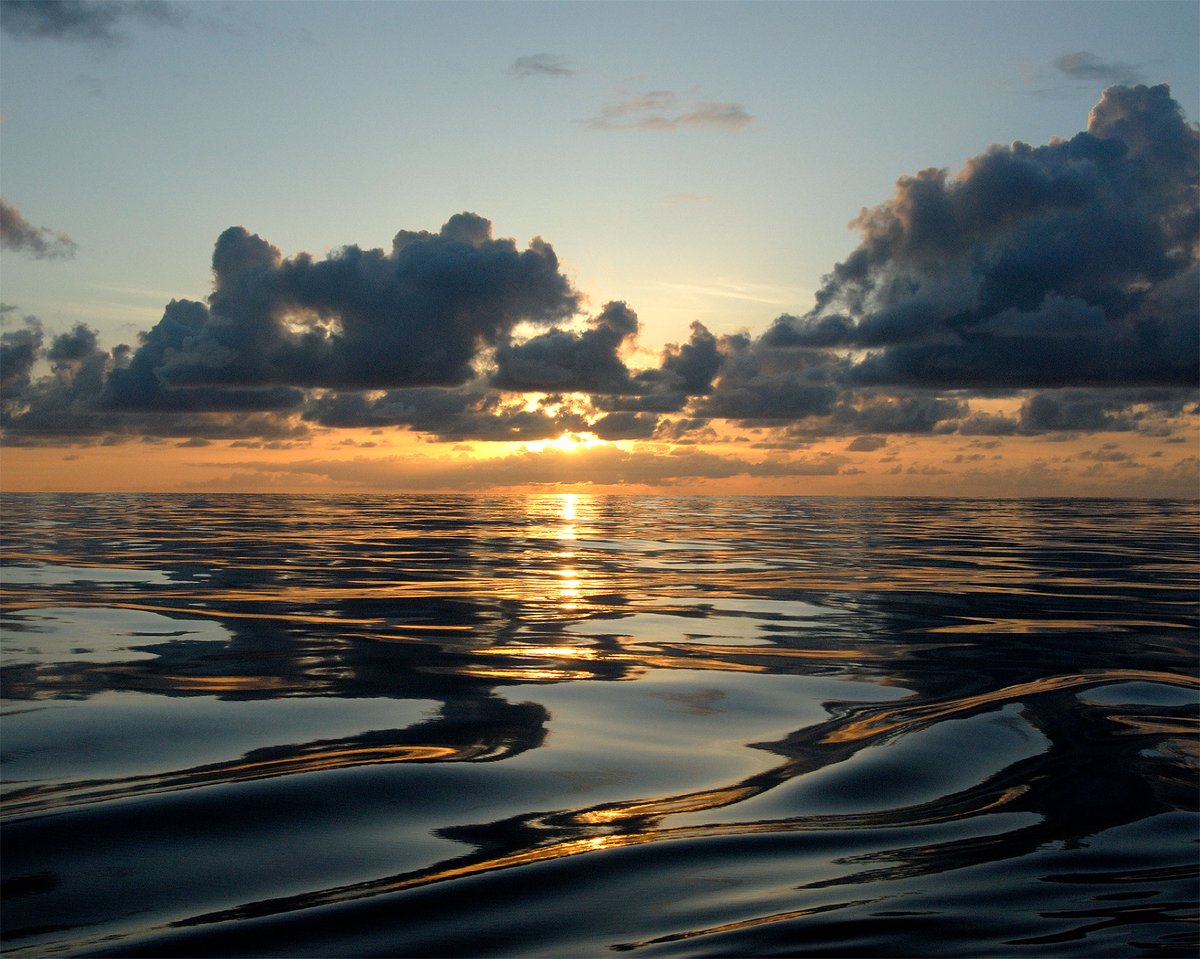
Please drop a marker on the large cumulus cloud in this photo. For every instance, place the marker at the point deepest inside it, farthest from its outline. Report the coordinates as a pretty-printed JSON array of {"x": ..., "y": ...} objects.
[
  {"x": 276, "y": 329},
  {"x": 417, "y": 315},
  {"x": 1069, "y": 264},
  {"x": 1063, "y": 275}
]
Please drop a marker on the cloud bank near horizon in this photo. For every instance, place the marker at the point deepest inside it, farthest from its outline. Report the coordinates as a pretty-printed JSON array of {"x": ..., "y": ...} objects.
[{"x": 1062, "y": 276}]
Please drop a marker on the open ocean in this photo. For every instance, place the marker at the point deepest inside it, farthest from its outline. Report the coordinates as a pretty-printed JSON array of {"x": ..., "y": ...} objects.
[{"x": 588, "y": 726}]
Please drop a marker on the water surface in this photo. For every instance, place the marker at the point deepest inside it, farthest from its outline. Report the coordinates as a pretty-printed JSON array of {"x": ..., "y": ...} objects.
[{"x": 571, "y": 725}]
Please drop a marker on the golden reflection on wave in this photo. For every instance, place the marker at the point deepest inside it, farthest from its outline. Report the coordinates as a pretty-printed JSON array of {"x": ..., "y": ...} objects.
[
  {"x": 32, "y": 799},
  {"x": 1183, "y": 730},
  {"x": 208, "y": 684},
  {"x": 524, "y": 674},
  {"x": 569, "y": 503},
  {"x": 194, "y": 610},
  {"x": 745, "y": 924},
  {"x": 656, "y": 808},
  {"x": 892, "y": 718},
  {"x": 1038, "y": 626},
  {"x": 920, "y": 815},
  {"x": 550, "y": 652}
]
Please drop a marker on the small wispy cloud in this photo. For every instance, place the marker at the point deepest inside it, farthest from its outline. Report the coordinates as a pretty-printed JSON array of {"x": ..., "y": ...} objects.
[
  {"x": 663, "y": 110},
  {"x": 1082, "y": 65},
  {"x": 540, "y": 65},
  {"x": 21, "y": 236},
  {"x": 1082, "y": 70},
  {"x": 729, "y": 290}
]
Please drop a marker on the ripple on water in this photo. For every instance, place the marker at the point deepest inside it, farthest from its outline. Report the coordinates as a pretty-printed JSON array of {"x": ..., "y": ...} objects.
[{"x": 568, "y": 725}]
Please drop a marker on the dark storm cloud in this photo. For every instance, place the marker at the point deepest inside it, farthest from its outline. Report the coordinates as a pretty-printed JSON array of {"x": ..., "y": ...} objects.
[
  {"x": 1070, "y": 264},
  {"x": 89, "y": 21},
  {"x": 21, "y": 236},
  {"x": 571, "y": 362},
  {"x": 1082, "y": 65},
  {"x": 540, "y": 65}
]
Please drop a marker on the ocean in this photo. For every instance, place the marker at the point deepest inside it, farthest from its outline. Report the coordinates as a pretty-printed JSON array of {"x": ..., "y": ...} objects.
[{"x": 576, "y": 726}]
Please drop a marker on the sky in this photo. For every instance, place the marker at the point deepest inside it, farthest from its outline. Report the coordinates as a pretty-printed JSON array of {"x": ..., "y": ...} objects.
[{"x": 735, "y": 248}]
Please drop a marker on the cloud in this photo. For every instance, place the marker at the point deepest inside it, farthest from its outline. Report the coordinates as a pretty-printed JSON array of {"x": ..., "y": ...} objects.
[
  {"x": 1070, "y": 264},
  {"x": 83, "y": 20},
  {"x": 277, "y": 332},
  {"x": 540, "y": 65},
  {"x": 1082, "y": 65},
  {"x": 21, "y": 236},
  {"x": 917, "y": 413},
  {"x": 74, "y": 401},
  {"x": 759, "y": 383},
  {"x": 684, "y": 371},
  {"x": 566, "y": 361},
  {"x": 469, "y": 413},
  {"x": 1091, "y": 410},
  {"x": 1065, "y": 275},
  {"x": 866, "y": 444},
  {"x": 662, "y": 110},
  {"x": 1062, "y": 279},
  {"x": 625, "y": 426},
  {"x": 417, "y": 315},
  {"x": 19, "y": 350}
]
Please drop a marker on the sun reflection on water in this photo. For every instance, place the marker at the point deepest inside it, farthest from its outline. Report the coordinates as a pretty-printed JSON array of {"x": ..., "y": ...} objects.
[{"x": 872, "y": 676}]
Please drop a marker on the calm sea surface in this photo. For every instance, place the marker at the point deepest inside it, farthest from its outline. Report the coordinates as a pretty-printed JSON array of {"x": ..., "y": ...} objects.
[{"x": 575, "y": 726}]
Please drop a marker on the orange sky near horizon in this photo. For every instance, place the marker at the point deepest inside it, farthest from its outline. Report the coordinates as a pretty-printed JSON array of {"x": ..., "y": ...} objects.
[{"x": 397, "y": 461}]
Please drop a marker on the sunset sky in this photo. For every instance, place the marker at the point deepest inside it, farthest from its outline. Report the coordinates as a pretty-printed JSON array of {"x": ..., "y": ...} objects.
[{"x": 803, "y": 248}]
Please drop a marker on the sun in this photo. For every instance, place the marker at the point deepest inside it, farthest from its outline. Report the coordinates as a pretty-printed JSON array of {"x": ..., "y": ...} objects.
[{"x": 566, "y": 443}]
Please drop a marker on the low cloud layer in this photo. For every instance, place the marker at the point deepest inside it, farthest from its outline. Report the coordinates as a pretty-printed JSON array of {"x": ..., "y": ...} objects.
[{"x": 1060, "y": 279}]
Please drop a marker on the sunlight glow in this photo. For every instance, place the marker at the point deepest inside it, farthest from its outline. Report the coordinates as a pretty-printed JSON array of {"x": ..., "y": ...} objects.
[{"x": 567, "y": 443}]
